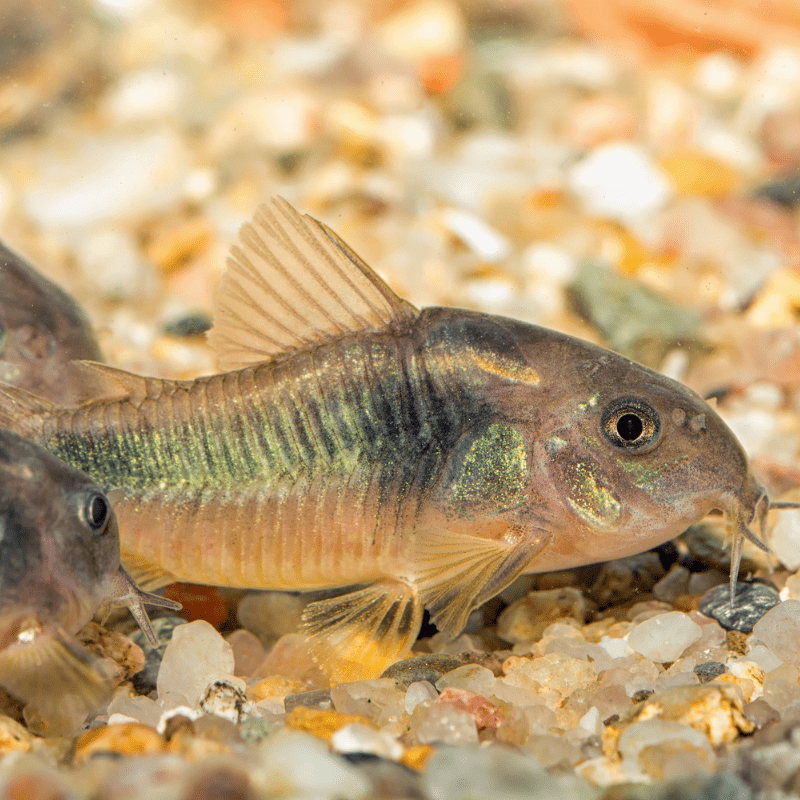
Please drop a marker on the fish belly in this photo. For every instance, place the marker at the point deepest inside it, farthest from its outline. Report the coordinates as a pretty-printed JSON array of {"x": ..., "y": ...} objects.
[{"x": 311, "y": 536}]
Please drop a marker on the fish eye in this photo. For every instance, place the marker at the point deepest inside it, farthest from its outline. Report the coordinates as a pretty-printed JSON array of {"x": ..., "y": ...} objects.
[
  {"x": 96, "y": 511},
  {"x": 631, "y": 424}
]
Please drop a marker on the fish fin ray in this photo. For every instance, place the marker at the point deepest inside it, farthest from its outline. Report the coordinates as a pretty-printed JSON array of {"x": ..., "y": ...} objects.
[
  {"x": 357, "y": 635},
  {"x": 21, "y": 411},
  {"x": 292, "y": 282},
  {"x": 56, "y": 676},
  {"x": 457, "y": 572},
  {"x": 145, "y": 574}
]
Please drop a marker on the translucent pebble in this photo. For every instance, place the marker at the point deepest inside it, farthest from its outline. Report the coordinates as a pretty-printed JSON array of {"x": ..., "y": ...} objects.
[
  {"x": 359, "y": 738},
  {"x": 785, "y": 540},
  {"x": 694, "y": 749},
  {"x": 195, "y": 657},
  {"x": 497, "y": 773},
  {"x": 664, "y": 637},
  {"x": 299, "y": 765},
  {"x": 527, "y": 619},
  {"x": 270, "y": 615},
  {"x": 442, "y": 724},
  {"x": 472, "y": 677},
  {"x": 619, "y": 181},
  {"x": 578, "y": 648},
  {"x": 779, "y": 631},
  {"x": 616, "y": 648},
  {"x": 555, "y": 671},
  {"x": 764, "y": 657},
  {"x": 418, "y": 692},
  {"x": 143, "y": 709},
  {"x": 248, "y": 652},
  {"x": 381, "y": 701},
  {"x": 591, "y": 721}
]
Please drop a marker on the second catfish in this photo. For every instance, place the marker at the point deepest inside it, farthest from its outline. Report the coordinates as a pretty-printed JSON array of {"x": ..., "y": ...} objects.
[{"x": 404, "y": 459}]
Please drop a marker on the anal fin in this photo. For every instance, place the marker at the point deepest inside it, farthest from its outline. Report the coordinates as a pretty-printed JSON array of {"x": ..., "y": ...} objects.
[
  {"x": 457, "y": 572},
  {"x": 56, "y": 677},
  {"x": 355, "y": 636}
]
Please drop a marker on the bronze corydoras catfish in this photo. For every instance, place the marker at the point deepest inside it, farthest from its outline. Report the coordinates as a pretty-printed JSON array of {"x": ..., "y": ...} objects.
[
  {"x": 59, "y": 563},
  {"x": 419, "y": 459}
]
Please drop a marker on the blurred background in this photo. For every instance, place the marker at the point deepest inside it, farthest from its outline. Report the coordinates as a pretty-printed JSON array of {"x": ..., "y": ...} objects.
[{"x": 627, "y": 171}]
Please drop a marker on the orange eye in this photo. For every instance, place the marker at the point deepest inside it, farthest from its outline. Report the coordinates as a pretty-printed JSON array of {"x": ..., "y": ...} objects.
[{"x": 631, "y": 424}]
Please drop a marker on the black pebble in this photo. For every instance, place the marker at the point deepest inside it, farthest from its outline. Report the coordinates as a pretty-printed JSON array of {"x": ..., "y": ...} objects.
[
  {"x": 709, "y": 670},
  {"x": 753, "y": 600},
  {"x": 190, "y": 325},
  {"x": 784, "y": 191}
]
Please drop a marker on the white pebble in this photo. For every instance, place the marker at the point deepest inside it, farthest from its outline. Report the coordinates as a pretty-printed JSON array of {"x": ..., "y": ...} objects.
[
  {"x": 590, "y": 721},
  {"x": 546, "y": 261},
  {"x": 359, "y": 738},
  {"x": 616, "y": 648},
  {"x": 195, "y": 658},
  {"x": 718, "y": 75},
  {"x": 620, "y": 182},
  {"x": 479, "y": 236},
  {"x": 111, "y": 260},
  {"x": 107, "y": 179},
  {"x": 146, "y": 95},
  {"x": 418, "y": 692},
  {"x": 664, "y": 637},
  {"x": 299, "y": 765}
]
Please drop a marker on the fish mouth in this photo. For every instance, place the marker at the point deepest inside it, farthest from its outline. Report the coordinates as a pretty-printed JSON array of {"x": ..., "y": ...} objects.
[{"x": 744, "y": 512}]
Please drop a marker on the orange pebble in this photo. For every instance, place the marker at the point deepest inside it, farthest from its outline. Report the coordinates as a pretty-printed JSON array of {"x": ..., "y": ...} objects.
[
  {"x": 440, "y": 73},
  {"x": 199, "y": 602},
  {"x": 130, "y": 739},
  {"x": 699, "y": 175},
  {"x": 417, "y": 757},
  {"x": 319, "y": 722}
]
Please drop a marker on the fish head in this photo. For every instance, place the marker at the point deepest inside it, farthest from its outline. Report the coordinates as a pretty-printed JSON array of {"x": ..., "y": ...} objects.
[
  {"x": 42, "y": 329},
  {"x": 632, "y": 458},
  {"x": 59, "y": 542},
  {"x": 618, "y": 457}
]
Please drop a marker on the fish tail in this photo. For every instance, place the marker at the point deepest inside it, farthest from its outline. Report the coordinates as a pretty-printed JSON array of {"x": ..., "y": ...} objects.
[{"x": 21, "y": 411}]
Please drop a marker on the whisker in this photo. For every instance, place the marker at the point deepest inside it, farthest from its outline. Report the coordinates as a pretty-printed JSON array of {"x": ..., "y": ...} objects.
[{"x": 783, "y": 504}]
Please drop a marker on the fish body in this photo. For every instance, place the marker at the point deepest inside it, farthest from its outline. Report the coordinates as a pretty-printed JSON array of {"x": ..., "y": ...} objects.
[
  {"x": 403, "y": 459},
  {"x": 59, "y": 563},
  {"x": 42, "y": 329}
]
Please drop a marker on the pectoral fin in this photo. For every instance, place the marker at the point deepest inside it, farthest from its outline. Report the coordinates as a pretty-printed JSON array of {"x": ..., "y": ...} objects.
[
  {"x": 355, "y": 636},
  {"x": 55, "y": 676},
  {"x": 457, "y": 572},
  {"x": 125, "y": 592}
]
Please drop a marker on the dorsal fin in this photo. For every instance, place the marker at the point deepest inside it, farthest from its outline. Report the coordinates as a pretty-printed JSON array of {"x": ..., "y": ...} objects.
[{"x": 292, "y": 282}]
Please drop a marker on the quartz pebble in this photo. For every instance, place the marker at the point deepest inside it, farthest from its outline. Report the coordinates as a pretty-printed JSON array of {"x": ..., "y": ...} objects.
[
  {"x": 298, "y": 765},
  {"x": 497, "y": 774},
  {"x": 753, "y": 601},
  {"x": 525, "y": 620},
  {"x": 779, "y": 630},
  {"x": 664, "y": 637},
  {"x": 619, "y": 181},
  {"x": 195, "y": 657}
]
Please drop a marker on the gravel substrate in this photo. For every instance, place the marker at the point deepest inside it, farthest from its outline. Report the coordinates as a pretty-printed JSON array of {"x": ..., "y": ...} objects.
[{"x": 483, "y": 155}]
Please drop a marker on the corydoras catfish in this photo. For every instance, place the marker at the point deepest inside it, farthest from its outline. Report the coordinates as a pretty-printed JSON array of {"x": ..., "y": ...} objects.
[
  {"x": 42, "y": 329},
  {"x": 59, "y": 563},
  {"x": 403, "y": 459}
]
